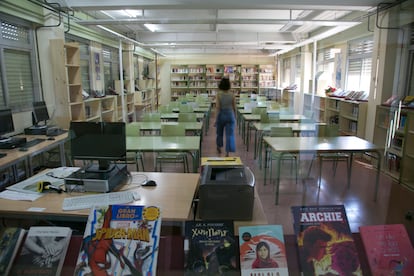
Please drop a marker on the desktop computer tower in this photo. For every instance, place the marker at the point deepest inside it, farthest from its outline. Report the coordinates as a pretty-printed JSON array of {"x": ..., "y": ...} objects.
[
  {"x": 226, "y": 192},
  {"x": 103, "y": 182}
]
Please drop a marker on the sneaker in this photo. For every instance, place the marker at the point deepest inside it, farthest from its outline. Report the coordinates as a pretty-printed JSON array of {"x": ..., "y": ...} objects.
[{"x": 218, "y": 150}]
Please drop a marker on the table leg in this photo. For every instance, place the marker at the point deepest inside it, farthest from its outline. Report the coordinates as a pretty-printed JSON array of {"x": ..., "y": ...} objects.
[
  {"x": 350, "y": 169},
  {"x": 378, "y": 174}
]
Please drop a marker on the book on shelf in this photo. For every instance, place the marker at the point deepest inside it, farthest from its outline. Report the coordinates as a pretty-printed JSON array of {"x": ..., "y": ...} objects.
[
  {"x": 388, "y": 249},
  {"x": 210, "y": 248},
  {"x": 325, "y": 241},
  {"x": 10, "y": 242},
  {"x": 262, "y": 250},
  {"x": 120, "y": 240},
  {"x": 43, "y": 251}
]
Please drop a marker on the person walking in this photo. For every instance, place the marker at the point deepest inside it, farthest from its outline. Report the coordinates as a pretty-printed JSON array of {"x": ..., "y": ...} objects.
[{"x": 225, "y": 117}]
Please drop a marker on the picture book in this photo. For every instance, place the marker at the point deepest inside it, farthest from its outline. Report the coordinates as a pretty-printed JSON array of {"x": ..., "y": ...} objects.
[
  {"x": 388, "y": 249},
  {"x": 10, "y": 242},
  {"x": 262, "y": 250},
  {"x": 120, "y": 240},
  {"x": 325, "y": 241},
  {"x": 210, "y": 248},
  {"x": 43, "y": 251}
]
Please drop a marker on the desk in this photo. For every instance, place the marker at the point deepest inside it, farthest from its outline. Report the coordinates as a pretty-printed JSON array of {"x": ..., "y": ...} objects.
[
  {"x": 247, "y": 119},
  {"x": 190, "y": 144},
  {"x": 14, "y": 156},
  {"x": 174, "y": 194},
  {"x": 311, "y": 145},
  {"x": 261, "y": 128},
  {"x": 174, "y": 116},
  {"x": 156, "y": 126}
]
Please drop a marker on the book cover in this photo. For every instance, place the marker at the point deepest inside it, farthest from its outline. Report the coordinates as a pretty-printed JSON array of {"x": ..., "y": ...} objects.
[
  {"x": 120, "y": 240},
  {"x": 325, "y": 242},
  {"x": 43, "y": 251},
  {"x": 210, "y": 248},
  {"x": 10, "y": 242},
  {"x": 388, "y": 249},
  {"x": 262, "y": 250}
]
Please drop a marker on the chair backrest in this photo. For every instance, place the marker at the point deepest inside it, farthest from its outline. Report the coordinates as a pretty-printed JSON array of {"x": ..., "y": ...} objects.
[
  {"x": 174, "y": 104},
  {"x": 187, "y": 117},
  {"x": 172, "y": 130},
  {"x": 328, "y": 130},
  {"x": 281, "y": 132},
  {"x": 185, "y": 108},
  {"x": 259, "y": 110},
  {"x": 261, "y": 98},
  {"x": 132, "y": 129},
  {"x": 151, "y": 117},
  {"x": 269, "y": 118},
  {"x": 165, "y": 109}
]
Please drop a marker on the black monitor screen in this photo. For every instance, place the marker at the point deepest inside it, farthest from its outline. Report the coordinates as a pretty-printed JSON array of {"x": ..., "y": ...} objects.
[
  {"x": 6, "y": 121},
  {"x": 40, "y": 113},
  {"x": 101, "y": 141}
]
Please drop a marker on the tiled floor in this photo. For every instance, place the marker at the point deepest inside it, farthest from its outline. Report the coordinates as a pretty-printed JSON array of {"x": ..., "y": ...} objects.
[{"x": 358, "y": 199}]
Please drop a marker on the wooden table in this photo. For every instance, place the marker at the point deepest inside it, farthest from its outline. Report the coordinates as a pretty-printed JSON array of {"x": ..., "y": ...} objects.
[
  {"x": 190, "y": 144},
  {"x": 15, "y": 156},
  {"x": 174, "y": 194},
  {"x": 312, "y": 145}
]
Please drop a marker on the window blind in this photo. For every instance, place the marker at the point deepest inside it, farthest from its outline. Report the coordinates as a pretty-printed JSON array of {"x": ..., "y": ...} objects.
[{"x": 359, "y": 64}]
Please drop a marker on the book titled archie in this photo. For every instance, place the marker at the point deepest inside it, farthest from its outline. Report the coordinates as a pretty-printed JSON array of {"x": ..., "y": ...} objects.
[
  {"x": 325, "y": 242},
  {"x": 120, "y": 240},
  {"x": 210, "y": 248}
]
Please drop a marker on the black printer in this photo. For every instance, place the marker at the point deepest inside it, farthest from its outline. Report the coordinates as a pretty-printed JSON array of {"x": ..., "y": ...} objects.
[{"x": 226, "y": 192}]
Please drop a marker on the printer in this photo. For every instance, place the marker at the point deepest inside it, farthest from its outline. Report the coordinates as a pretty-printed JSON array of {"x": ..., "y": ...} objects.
[{"x": 226, "y": 192}]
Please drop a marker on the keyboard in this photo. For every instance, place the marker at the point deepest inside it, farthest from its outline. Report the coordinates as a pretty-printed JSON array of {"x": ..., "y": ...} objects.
[
  {"x": 33, "y": 142},
  {"x": 88, "y": 201}
]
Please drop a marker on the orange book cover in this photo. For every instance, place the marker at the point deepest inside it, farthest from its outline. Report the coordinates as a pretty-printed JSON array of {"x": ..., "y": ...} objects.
[{"x": 388, "y": 249}]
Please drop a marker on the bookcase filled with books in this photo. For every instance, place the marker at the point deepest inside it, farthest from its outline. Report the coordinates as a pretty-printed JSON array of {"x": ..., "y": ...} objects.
[
  {"x": 398, "y": 141},
  {"x": 317, "y": 106},
  {"x": 250, "y": 79},
  {"x": 352, "y": 118}
]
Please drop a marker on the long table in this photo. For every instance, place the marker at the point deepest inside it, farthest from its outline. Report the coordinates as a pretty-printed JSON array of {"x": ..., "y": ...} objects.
[
  {"x": 15, "y": 156},
  {"x": 190, "y": 144},
  {"x": 312, "y": 145},
  {"x": 197, "y": 127}
]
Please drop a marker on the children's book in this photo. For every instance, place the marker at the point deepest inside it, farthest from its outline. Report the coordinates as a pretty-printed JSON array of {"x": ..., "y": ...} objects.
[
  {"x": 10, "y": 242},
  {"x": 120, "y": 240},
  {"x": 388, "y": 249},
  {"x": 325, "y": 242},
  {"x": 210, "y": 248},
  {"x": 262, "y": 250},
  {"x": 43, "y": 251}
]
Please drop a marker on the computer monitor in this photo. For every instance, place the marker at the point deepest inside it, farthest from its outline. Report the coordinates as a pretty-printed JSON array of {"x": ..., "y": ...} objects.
[
  {"x": 104, "y": 142},
  {"x": 6, "y": 124},
  {"x": 40, "y": 114}
]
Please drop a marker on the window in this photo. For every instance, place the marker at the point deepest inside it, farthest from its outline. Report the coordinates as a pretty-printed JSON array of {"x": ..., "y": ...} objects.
[
  {"x": 359, "y": 65},
  {"x": 326, "y": 67},
  {"x": 298, "y": 71},
  {"x": 111, "y": 66},
  {"x": 18, "y": 84},
  {"x": 286, "y": 72}
]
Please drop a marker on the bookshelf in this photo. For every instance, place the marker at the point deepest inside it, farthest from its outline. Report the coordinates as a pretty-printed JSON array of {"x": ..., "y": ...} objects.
[
  {"x": 399, "y": 147},
  {"x": 196, "y": 79},
  {"x": 352, "y": 118}
]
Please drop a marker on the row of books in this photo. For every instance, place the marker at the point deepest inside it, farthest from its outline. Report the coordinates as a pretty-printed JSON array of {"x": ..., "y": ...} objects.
[{"x": 124, "y": 240}]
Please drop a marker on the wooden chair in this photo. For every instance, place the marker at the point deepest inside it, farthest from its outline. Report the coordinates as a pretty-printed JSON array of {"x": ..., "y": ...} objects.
[{"x": 172, "y": 157}]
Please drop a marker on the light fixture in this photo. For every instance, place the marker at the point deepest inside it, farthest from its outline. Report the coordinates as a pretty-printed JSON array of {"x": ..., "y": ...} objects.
[{"x": 151, "y": 27}]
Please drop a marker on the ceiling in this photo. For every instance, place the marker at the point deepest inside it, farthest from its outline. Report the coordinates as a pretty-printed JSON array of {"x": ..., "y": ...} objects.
[{"x": 260, "y": 27}]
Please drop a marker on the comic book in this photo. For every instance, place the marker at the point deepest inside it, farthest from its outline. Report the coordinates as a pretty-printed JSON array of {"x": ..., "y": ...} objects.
[
  {"x": 325, "y": 242},
  {"x": 210, "y": 248},
  {"x": 388, "y": 249},
  {"x": 262, "y": 250},
  {"x": 120, "y": 240},
  {"x": 43, "y": 251}
]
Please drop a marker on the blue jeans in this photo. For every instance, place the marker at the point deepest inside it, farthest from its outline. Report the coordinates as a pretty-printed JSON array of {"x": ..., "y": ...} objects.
[{"x": 226, "y": 122}]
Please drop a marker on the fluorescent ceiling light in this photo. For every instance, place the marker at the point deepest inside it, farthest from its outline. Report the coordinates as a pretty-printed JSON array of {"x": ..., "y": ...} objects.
[
  {"x": 132, "y": 13},
  {"x": 151, "y": 27}
]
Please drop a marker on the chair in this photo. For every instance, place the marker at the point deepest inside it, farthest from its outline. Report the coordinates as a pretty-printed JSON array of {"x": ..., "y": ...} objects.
[
  {"x": 187, "y": 117},
  {"x": 166, "y": 109},
  {"x": 133, "y": 129},
  {"x": 172, "y": 157},
  {"x": 185, "y": 108},
  {"x": 277, "y": 157},
  {"x": 335, "y": 157},
  {"x": 151, "y": 117}
]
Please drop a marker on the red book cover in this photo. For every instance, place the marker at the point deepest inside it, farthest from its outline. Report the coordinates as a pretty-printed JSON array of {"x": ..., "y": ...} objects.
[
  {"x": 388, "y": 249},
  {"x": 325, "y": 242}
]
